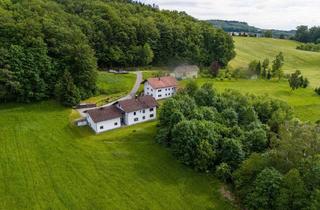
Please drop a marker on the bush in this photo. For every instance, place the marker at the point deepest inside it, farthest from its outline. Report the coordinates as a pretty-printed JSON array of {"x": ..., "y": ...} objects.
[
  {"x": 317, "y": 90},
  {"x": 223, "y": 172}
]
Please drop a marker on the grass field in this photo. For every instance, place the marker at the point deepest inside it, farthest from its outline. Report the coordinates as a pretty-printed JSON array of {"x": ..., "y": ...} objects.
[
  {"x": 249, "y": 49},
  {"x": 46, "y": 163},
  {"x": 112, "y": 86},
  {"x": 305, "y": 102}
]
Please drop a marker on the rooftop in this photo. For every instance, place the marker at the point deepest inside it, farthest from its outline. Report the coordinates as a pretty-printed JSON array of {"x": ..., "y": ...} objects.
[
  {"x": 143, "y": 102},
  {"x": 162, "y": 82},
  {"x": 186, "y": 69},
  {"x": 104, "y": 113}
]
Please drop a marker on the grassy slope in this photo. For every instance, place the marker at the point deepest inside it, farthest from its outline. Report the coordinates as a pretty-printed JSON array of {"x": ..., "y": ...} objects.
[
  {"x": 48, "y": 164},
  {"x": 112, "y": 86},
  {"x": 249, "y": 49},
  {"x": 305, "y": 102}
]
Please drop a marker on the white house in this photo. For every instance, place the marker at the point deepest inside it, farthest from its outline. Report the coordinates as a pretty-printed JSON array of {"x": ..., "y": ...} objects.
[
  {"x": 160, "y": 87},
  {"x": 126, "y": 112},
  {"x": 104, "y": 118},
  {"x": 138, "y": 110}
]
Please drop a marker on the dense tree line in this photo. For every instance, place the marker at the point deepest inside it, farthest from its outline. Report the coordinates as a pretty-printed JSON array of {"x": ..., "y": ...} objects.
[
  {"x": 306, "y": 34},
  {"x": 309, "y": 47},
  {"x": 42, "y": 40},
  {"x": 251, "y": 142},
  {"x": 221, "y": 128}
]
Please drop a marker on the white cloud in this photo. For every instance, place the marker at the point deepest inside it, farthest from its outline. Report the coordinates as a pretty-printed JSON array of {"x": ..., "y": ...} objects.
[{"x": 278, "y": 14}]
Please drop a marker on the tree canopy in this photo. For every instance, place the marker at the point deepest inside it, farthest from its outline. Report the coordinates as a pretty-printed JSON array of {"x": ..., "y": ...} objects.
[{"x": 41, "y": 39}]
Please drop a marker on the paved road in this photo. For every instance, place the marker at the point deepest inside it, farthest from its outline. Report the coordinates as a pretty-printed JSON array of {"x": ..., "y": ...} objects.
[{"x": 132, "y": 93}]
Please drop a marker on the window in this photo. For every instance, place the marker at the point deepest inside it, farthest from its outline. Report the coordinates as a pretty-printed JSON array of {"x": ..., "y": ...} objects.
[
  {"x": 136, "y": 119},
  {"x": 172, "y": 88},
  {"x": 101, "y": 127},
  {"x": 134, "y": 113},
  {"x": 143, "y": 111},
  {"x": 166, "y": 94},
  {"x": 159, "y": 96},
  {"x": 151, "y": 109},
  {"x": 151, "y": 115},
  {"x": 144, "y": 117},
  {"x": 116, "y": 123},
  {"x": 169, "y": 94},
  {"x": 159, "y": 90}
]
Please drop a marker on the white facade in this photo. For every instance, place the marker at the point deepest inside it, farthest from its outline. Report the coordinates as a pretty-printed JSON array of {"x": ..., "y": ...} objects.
[
  {"x": 104, "y": 125},
  {"x": 140, "y": 116},
  {"x": 159, "y": 93}
]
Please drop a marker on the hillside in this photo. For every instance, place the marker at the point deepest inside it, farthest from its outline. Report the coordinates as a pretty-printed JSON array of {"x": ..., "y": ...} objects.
[
  {"x": 47, "y": 163},
  {"x": 47, "y": 46},
  {"x": 237, "y": 26},
  {"x": 248, "y": 49}
]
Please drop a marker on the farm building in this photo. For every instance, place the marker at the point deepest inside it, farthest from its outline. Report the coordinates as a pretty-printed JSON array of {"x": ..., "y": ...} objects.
[
  {"x": 160, "y": 87},
  {"x": 126, "y": 112},
  {"x": 185, "y": 72}
]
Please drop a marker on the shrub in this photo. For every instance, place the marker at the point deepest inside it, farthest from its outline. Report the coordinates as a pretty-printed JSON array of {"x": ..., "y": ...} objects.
[
  {"x": 317, "y": 90},
  {"x": 223, "y": 172}
]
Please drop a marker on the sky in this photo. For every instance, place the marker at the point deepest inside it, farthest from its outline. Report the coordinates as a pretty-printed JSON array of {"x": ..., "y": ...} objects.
[{"x": 267, "y": 14}]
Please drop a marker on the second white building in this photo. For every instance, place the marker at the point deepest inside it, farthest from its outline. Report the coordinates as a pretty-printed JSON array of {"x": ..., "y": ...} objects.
[{"x": 160, "y": 87}]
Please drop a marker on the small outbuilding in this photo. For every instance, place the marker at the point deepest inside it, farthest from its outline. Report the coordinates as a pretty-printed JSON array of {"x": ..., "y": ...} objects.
[{"x": 186, "y": 72}]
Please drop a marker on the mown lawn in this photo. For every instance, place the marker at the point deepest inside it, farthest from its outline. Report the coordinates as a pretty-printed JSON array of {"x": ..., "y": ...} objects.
[
  {"x": 46, "y": 163},
  {"x": 109, "y": 83},
  {"x": 112, "y": 86},
  {"x": 305, "y": 102},
  {"x": 249, "y": 49}
]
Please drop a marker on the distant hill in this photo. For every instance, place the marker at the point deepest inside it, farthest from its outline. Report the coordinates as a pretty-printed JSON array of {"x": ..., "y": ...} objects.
[
  {"x": 237, "y": 26},
  {"x": 249, "y": 49}
]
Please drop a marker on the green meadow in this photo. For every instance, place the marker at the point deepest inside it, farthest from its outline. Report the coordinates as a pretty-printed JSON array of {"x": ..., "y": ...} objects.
[
  {"x": 112, "y": 86},
  {"x": 47, "y": 163},
  {"x": 305, "y": 102},
  {"x": 249, "y": 49}
]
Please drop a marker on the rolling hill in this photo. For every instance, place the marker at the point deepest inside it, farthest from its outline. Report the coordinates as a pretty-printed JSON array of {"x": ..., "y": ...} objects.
[
  {"x": 248, "y": 49},
  {"x": 238, "y": 26},
  {"x": 47, "y": 163}
]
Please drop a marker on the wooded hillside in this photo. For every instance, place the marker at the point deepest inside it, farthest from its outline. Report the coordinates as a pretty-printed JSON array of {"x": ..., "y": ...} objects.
[{"x": 50, "y": 45}]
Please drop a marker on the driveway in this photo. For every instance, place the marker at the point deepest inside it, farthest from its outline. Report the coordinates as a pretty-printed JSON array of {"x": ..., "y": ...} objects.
[{"x": 131, "y": 95}]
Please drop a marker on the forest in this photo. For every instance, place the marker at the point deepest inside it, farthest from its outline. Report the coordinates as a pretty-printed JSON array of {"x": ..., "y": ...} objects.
[
  {"x": 54, "y": 45},
  {"x": 308, "y": 35},
  {"x": 269, "y": 159}
]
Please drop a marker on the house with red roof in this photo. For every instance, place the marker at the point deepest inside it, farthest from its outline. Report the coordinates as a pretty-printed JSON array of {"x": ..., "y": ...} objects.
[
  {"x": 160, "y": 87},
  {"x": 126, "y": 112}
]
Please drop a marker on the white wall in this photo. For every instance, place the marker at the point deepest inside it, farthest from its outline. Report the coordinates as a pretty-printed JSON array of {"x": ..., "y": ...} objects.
[
  {"x": 105, "y": 125},
  {"x": 91, "y": 124},
  {"x": 141, "y": 115},
  {"x": 160, "y": 93},
  {"x": 148, "y": 90}
]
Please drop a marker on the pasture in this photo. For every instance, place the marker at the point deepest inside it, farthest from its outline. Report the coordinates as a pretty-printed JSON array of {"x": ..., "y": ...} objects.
[
  {"x": 249, "y": 49},
  {"x": 47, "y": 163}
]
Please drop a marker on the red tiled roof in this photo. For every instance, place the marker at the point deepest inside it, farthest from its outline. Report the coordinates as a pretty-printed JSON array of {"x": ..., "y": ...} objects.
[
  {"x": 104, "y": 113},
  {"x": 143, "y": 102},
  {"x": 162, "y": 82}
]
